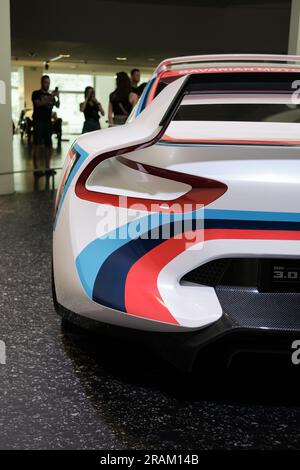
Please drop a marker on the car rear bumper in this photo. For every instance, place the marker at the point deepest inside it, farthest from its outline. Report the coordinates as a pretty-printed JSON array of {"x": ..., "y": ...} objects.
[{"x": 214, "y": 346}]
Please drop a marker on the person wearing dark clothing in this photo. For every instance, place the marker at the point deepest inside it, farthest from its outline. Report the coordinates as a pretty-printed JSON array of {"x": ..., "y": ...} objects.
[
  {"x": 43, "y": 103},
  {"x": 135, "y": 78},
  {"x": 91, "y": 109},
  {"x": 121, "y": 101}
]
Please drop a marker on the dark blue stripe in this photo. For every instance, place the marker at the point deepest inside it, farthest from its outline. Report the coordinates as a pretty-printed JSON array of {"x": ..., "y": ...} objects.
[
  {"x": 109, "y": 287},
  {"x": 144, "y": 97}
]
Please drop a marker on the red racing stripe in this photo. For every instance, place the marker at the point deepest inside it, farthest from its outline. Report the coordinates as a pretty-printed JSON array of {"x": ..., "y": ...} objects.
[{"x": 142, "y": 297}]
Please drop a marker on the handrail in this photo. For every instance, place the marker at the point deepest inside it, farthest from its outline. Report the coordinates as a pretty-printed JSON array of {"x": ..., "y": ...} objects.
[
  {"x": 28, "y": 171},
  {"x": 185, "y": 60},
  {"x": 52, "y": 176}
]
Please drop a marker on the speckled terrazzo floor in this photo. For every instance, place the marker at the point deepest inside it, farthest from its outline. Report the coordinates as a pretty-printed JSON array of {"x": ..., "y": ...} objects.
[{"x": 69, "y": 389}]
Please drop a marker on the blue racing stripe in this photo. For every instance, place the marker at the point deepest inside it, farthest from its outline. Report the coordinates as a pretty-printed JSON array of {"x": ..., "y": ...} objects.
[
  {"x": 143, "y": 98},
  {"x": 82, "y": 155},
  {"x": 109, "y": 287},
  {"x": 103, "y": 265},
  {"x": 89, "y": 262}
]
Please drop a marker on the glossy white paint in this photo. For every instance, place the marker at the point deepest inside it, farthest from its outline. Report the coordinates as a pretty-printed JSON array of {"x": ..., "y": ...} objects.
[
  {"x": 196, "y": 305},
  {"x": 233, "y": 130},
  {"x": 143, "y": 129},
  {"x": 258, "y": 178},
  {"x": 216, "y": 59},
  {"x": 261, "y": 178},
  {"x": 112, "y": 177},
  {"x": 219, "y": 98}
]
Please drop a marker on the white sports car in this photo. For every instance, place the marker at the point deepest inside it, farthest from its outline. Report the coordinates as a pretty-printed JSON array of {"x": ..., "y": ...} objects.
[{"x": 186, "y": 219}]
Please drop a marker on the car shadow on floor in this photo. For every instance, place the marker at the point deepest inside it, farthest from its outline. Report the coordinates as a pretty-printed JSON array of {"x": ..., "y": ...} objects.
[{"x": 251, "y": 379}]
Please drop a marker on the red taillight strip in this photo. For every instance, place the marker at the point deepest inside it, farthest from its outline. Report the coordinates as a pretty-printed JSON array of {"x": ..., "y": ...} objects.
[
  {"x": 226, "y": 69},
  {"x": 204, "y": 191},
  {"x": 168, "y": 139}
]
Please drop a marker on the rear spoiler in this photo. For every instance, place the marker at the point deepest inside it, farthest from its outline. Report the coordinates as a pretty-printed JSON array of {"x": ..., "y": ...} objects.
[{"x": 215, "y": 58}]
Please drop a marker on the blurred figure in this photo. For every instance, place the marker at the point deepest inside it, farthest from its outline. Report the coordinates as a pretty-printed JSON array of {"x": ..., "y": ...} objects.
[
  {"x": 29, "y": 129},
  {"x": 22, "y": 124},
  {"x": 91, "y": 109},
  {"x": 135, "y": 77},
  {"x": 57, "y": 127},
  {"x": 25, "y": 125},
  {"x": 43, "y": 103},
  {"x": 121, "y": 101}
]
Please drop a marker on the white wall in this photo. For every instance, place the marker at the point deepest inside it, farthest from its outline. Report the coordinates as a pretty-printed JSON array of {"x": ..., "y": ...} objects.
[
  {"x": 32, "y": 82},
  {"x": 104, "y": 85}
]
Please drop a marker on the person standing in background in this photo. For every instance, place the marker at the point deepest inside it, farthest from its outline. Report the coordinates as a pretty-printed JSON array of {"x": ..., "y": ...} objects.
[
  {"x": 135, "y": 77},
  {"x": 91, "y": 109},
  {"x": 121, "y": 101},
  {"x": 43, "y": 103}
]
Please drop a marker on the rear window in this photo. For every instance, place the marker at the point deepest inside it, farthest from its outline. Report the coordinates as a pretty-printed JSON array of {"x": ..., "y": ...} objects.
[
  {"x": 241, "y": 97},
  {"x": 238, "y": 108}
]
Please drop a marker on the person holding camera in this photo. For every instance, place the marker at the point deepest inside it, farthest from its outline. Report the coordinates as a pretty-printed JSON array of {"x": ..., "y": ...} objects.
[
  {"x": 91, "y": 109},
  {"x": 43, "y": 103}
]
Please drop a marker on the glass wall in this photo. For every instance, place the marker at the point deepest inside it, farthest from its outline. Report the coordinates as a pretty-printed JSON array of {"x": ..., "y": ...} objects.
[
  {"x": 104, "y": 85},
  {"x": 71, "y": 87},
  {"x": 17, "y": 93}
]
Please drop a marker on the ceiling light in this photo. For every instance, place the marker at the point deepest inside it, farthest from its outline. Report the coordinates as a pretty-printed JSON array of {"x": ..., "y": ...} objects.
[
  {"x": 121, "y": 58},
  {"x": 60, "y": 56}
]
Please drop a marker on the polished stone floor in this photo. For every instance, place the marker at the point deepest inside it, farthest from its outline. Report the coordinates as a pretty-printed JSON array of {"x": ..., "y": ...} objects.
[
  {"x": 66, "y": 388},
  {"x": 23, "y": 177}
]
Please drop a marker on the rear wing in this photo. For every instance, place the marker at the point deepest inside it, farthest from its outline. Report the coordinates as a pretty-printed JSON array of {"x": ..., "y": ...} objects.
[{"x": 232, "y": 58}]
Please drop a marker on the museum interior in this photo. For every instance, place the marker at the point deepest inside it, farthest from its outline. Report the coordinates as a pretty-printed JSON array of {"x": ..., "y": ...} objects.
[{"x": 64, "y": 386}]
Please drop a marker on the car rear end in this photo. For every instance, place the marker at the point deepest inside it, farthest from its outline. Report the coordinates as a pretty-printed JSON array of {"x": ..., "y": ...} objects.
[{"x": 228, "y": 157}]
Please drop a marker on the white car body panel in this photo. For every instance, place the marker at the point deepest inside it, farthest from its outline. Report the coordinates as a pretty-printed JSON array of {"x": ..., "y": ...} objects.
[{"x": 263, "y": 185}]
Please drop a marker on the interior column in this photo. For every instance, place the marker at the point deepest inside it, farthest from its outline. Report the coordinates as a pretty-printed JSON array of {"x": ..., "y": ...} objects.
[
  {"x": 294, "y": 34},
  {"x": 6, "y": 155}
]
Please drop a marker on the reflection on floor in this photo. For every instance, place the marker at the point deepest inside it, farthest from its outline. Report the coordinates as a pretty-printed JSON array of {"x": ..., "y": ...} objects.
[
  {"x": 64, "y": 388},
  {"x": 22, "y": 153}
]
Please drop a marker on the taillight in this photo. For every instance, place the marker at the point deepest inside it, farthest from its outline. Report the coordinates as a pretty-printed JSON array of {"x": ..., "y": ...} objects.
[{"x": 200, "y": 191}]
